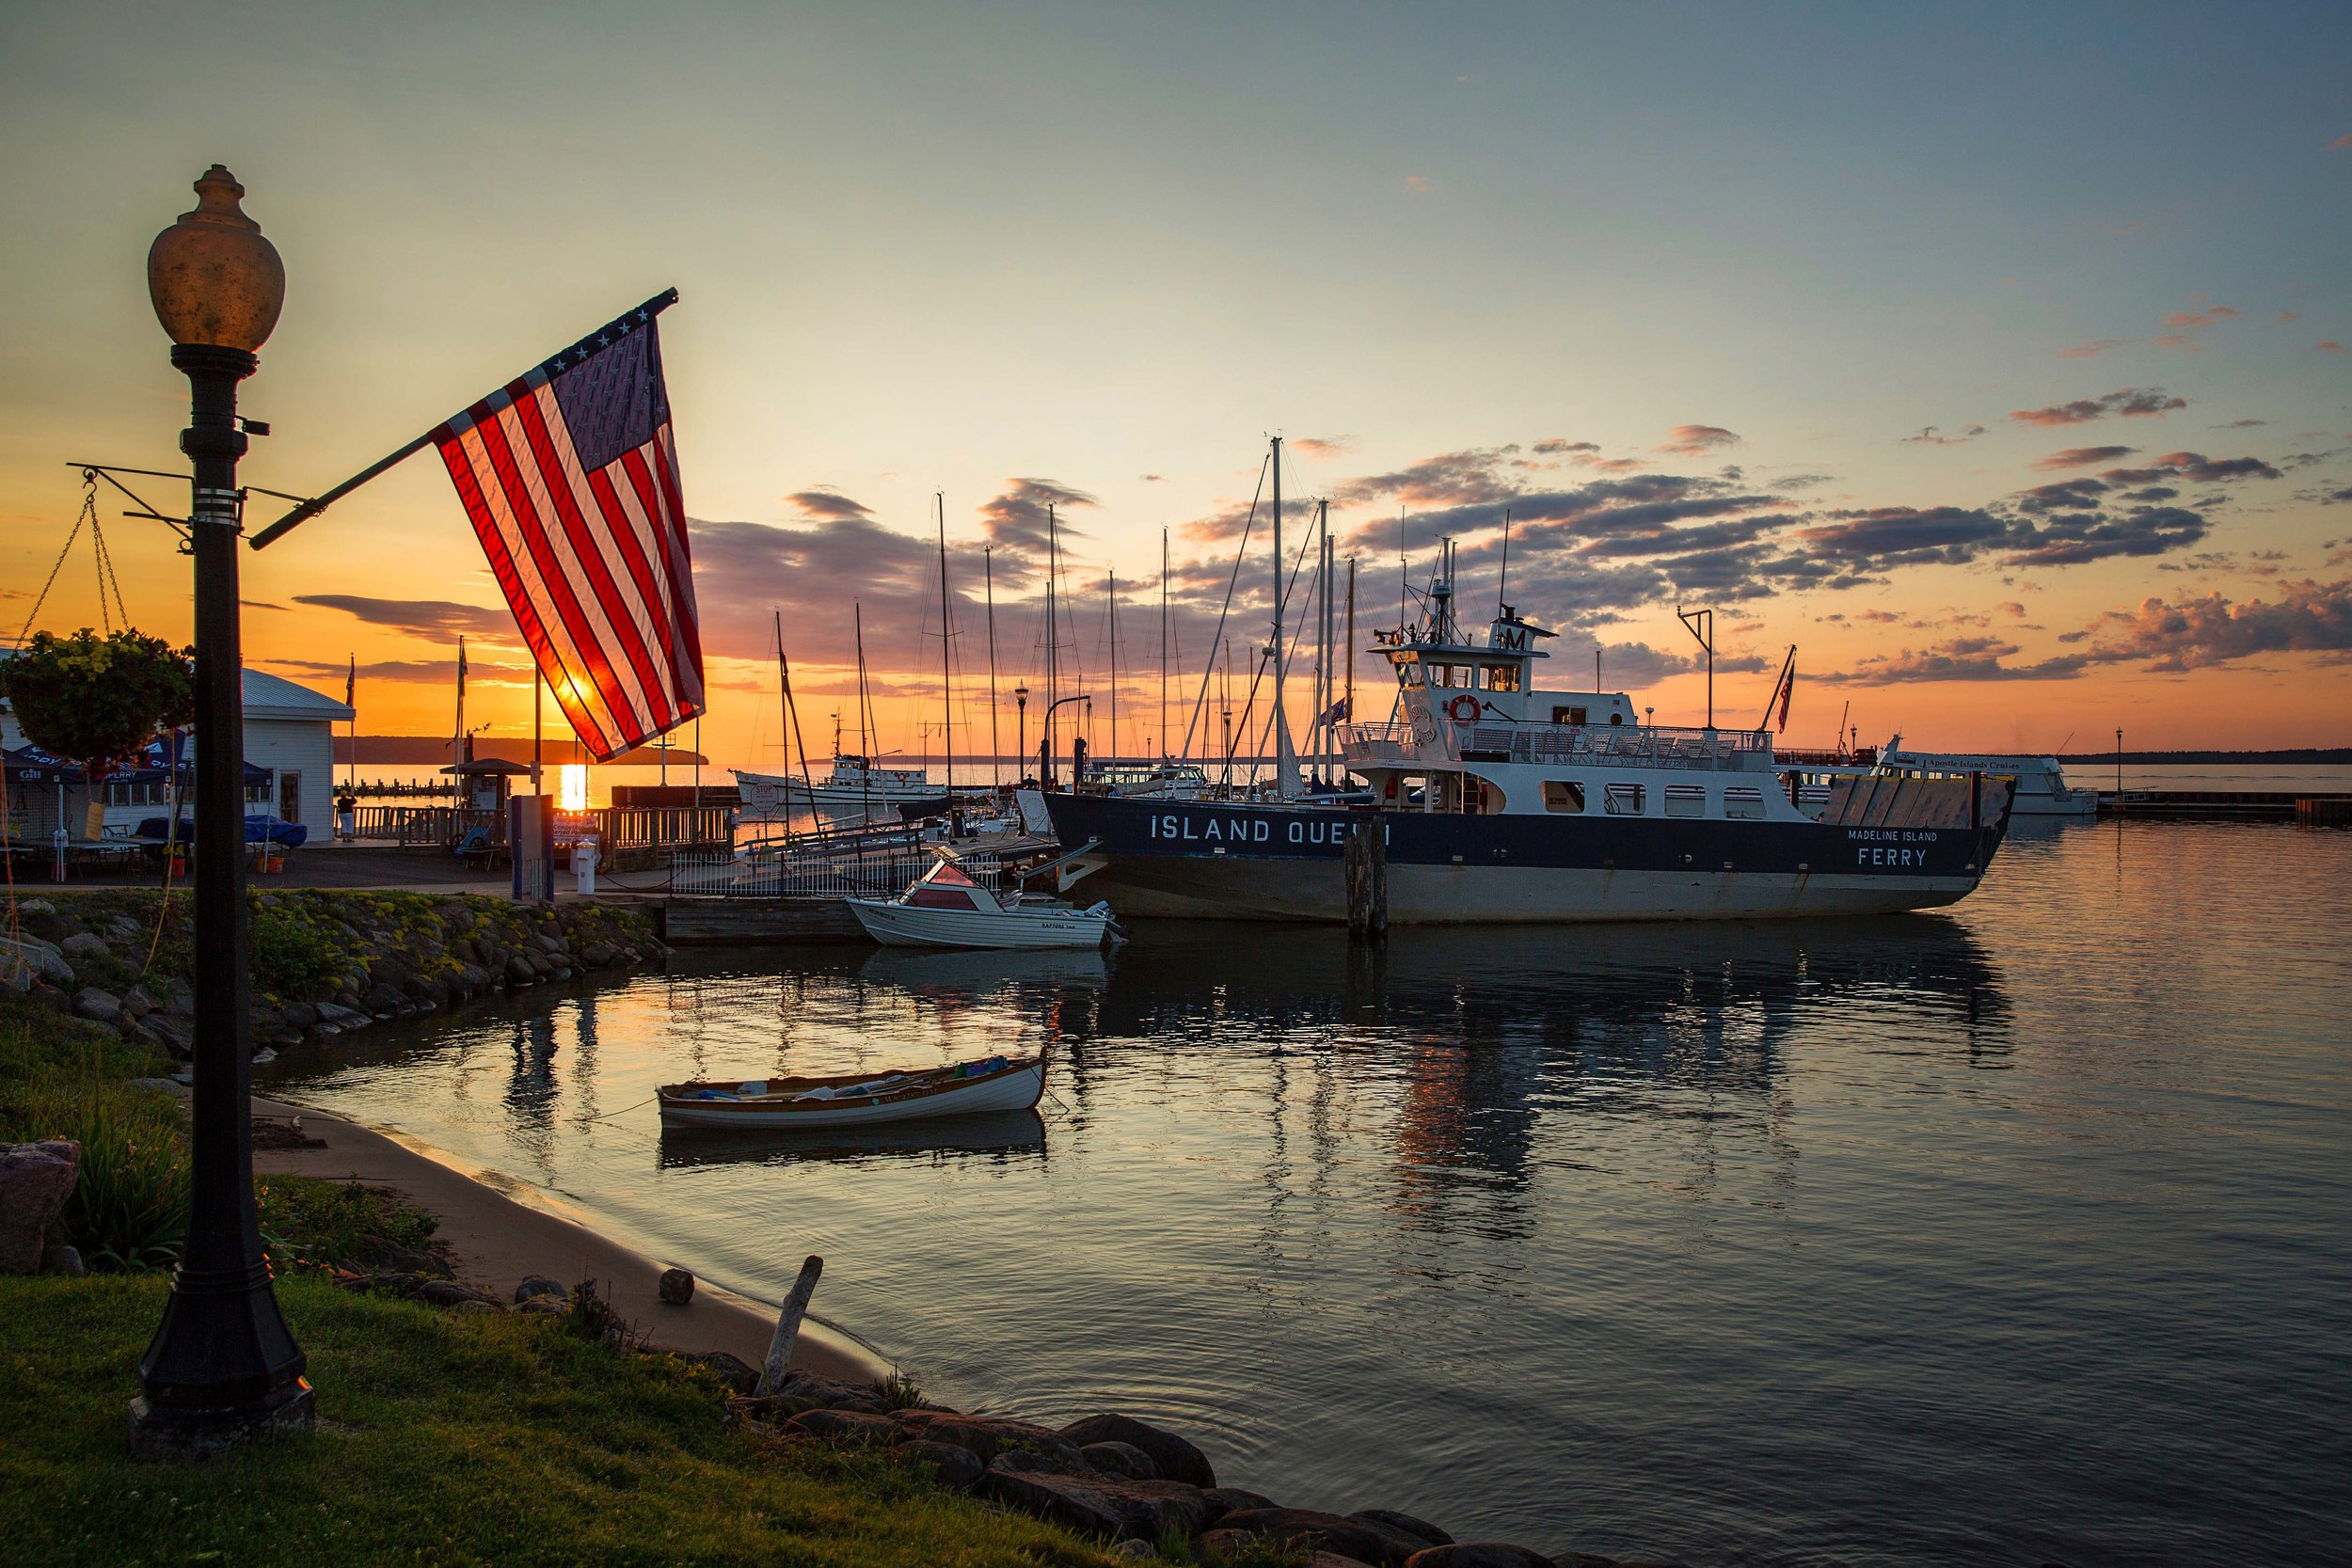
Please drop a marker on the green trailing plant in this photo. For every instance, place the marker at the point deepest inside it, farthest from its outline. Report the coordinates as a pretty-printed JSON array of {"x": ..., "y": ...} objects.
[
  {"x": 97, "y": 700},
  {"x": 129, "y": 1210}
]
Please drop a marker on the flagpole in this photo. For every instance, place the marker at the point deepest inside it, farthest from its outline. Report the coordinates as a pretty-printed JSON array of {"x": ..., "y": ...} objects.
[
  {"x": 624, "y": 324},
  {"x": 538, "y": 683}
]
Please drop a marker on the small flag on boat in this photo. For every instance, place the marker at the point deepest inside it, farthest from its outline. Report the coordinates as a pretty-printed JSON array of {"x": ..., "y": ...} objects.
[
  {"x": 571, "y": 476},
  {"x": 1788, "y": 690}
]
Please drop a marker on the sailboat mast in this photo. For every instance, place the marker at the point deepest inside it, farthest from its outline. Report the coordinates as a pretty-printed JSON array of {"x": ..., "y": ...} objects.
[
  {"x": 1325, "y": 682},
  {"x": 1163, "y": 643},
  {"x": 1112, "y": 585},
  {"x": 1281, "y": 731},
  {"x": 1053, "y": 636},
  {"x": 866, "y": 770},
  {"x": 987, "y": 583},
  {"x": 458, "y": 741},
  {"x": 946, "y": 658}
]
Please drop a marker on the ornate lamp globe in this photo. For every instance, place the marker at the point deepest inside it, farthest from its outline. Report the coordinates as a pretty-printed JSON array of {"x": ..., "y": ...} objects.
[{"x": 215, "y": 279}]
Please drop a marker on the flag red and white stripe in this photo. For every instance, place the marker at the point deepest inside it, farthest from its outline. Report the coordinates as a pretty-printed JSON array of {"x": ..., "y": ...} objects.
[{"x": 571, "y": 476}]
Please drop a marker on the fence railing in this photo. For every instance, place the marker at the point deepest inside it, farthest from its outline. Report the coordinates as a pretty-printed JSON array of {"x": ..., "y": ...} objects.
[{"x": 823, "y": 872}]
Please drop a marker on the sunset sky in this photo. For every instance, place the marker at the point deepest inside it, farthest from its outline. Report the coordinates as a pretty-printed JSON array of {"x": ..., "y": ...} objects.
[{"x": 1996, "y": 356}]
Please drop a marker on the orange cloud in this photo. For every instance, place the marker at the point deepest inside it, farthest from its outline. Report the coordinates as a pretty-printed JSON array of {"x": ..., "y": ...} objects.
[{"x": 1697, "y": 440}]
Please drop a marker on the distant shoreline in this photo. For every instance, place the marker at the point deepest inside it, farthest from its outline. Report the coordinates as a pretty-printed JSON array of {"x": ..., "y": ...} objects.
[{"x": 2303, "y": 756}]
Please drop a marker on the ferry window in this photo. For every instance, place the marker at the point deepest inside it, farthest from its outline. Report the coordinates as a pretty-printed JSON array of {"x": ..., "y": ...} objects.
[
  {"x": 1564, "y": 794},
  {"x": 1625, "y": 799},
  {"x": 1447, "y": 674},
  {"x": 1744, "y": 800},
  {"x": 1568, "y": 716},
  {"x": 1686, "y": 801},
  {"x": 1501, "y": 677}
]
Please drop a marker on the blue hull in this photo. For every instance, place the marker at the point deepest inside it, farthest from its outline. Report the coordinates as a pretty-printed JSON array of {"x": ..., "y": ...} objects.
[{"x": 1284, "y": 862}]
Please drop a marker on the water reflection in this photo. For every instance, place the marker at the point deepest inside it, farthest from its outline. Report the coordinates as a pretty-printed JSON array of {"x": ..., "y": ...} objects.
[{"x": 997, "y": 1134}]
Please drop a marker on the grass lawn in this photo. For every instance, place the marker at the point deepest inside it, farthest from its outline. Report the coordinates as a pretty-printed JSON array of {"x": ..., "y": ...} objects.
[{"x": 445, "y": 1437}]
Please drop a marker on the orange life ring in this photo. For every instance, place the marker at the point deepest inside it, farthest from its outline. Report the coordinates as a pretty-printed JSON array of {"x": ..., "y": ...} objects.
[{"x": 1463, "y": 709}]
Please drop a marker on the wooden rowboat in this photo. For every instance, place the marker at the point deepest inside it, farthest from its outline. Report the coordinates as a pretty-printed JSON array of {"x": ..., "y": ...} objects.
[{"x": 858, "y": 1100}]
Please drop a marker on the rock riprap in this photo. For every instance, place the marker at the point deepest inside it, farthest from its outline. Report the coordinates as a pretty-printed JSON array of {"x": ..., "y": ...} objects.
[{"x": 333, "y": 962}]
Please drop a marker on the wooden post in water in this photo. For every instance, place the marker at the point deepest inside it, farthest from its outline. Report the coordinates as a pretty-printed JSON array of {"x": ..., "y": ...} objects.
[
  {"x": 779, "y": 1360},
  {"x": 1366, "y": 864}
]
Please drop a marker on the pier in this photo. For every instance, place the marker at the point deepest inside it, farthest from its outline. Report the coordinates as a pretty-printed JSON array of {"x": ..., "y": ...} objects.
[{"x": 2312, "y": 809}]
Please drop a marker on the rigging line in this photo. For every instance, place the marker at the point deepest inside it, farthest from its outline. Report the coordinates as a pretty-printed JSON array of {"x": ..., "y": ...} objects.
[
  {"x": 1240, "y": 553},
  {"x": 106, "y": 578}
]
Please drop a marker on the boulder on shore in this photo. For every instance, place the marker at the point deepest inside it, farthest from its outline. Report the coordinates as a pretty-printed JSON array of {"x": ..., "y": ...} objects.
[
  {"x": 1097, "y": 1504},
  {"x": 34, "y": 1181},
  {"x": 1361, "y": 1539},
  {"x": 1392, "y": 1519},
  {"x": 675, "y": 1287},
  {"x": 1178, "y": 1459}
]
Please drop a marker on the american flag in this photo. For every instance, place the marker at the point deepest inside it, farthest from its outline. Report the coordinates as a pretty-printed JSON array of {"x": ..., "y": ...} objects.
[{"x": 571, "y": 476}]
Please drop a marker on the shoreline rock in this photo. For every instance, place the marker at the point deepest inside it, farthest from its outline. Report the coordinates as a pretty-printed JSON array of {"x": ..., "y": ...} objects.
[{"x": 335, "y": 961}]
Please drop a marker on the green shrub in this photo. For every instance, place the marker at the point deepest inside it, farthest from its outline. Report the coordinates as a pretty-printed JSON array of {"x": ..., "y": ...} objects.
[{"x": 293, "y": 951}]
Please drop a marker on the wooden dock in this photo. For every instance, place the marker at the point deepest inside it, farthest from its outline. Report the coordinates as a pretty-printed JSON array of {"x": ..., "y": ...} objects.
[
  {"x": 2277, "y": 806},
  {"x": 692, "y": 922}
]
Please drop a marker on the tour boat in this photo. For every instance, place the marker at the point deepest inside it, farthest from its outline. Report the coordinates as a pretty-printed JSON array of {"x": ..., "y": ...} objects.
[
  {"x": 858, "y": 1100},
  {"x": 1495, "y": 802},
  {"x": 2042, "y": 786},
  {"x": 944, "y": 907},
  {"x": 856, "y": 788}
]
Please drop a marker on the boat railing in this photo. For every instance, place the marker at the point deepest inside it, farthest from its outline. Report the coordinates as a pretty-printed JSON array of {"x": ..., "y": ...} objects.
[{"x": 1608, "y": 744}]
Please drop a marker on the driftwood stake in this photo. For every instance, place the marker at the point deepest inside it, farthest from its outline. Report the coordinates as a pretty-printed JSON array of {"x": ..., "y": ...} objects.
[{"x": 788, "y": 1326}]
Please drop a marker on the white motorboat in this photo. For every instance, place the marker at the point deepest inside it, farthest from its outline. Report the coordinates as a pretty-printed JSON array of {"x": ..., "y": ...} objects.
[
  {"x": 944, "y": 907},
  {"x": 854, "y": 1099}
]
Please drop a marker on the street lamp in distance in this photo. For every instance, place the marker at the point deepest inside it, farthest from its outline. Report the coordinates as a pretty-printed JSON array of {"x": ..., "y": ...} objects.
[
  {"x": 1021, "y": 697},
  {"x": 223, "y": 1369}
]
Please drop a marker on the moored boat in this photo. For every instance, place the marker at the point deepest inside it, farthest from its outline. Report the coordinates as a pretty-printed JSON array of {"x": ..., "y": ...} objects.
[
  {"x": 1495, "y": 802},
  {"x": 857, "y": 1099},
  {"x": 944, "y": 907}
]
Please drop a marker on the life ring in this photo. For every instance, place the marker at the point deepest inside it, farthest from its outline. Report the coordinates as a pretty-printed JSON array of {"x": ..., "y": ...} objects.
[{"x": 1463, "y": 709}]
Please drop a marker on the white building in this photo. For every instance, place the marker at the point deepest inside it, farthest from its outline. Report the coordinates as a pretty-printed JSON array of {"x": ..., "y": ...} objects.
[{"x": 289, "y": 732}]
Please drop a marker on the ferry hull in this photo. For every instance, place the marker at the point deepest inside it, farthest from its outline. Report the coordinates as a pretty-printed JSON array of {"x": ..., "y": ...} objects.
[{"x": 1503, "y": 870}]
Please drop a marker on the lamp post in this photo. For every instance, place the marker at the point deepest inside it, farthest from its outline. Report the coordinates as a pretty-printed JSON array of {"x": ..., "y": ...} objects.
[
  {"x": 223, "y": 1369},
  {"x": 1021, "y": 697}
]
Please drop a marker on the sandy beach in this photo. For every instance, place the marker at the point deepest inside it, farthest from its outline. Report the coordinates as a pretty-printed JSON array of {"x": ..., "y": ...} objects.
[{"x": 498, "y": 1230}]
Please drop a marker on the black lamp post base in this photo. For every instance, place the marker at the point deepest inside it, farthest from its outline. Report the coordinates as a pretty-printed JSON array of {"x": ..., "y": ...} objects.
[{"x": 191, "y": 1434}]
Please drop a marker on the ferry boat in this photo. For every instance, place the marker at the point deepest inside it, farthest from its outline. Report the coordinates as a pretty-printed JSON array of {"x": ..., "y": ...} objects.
[{"x": 1497, "y": 802}]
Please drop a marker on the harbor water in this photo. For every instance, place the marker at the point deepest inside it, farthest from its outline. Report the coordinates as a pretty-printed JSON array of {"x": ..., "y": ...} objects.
[{"x": 2013, "y": 1234}]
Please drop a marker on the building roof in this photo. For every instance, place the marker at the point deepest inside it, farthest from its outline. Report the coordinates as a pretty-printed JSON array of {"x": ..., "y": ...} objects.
[{"x": 268, "y": 696}]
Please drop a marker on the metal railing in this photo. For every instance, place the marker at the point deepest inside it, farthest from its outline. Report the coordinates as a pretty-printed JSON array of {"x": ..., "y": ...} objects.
[
  {"x": 822, "y": 871},
  {"x": 1637, "y": 746}
]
